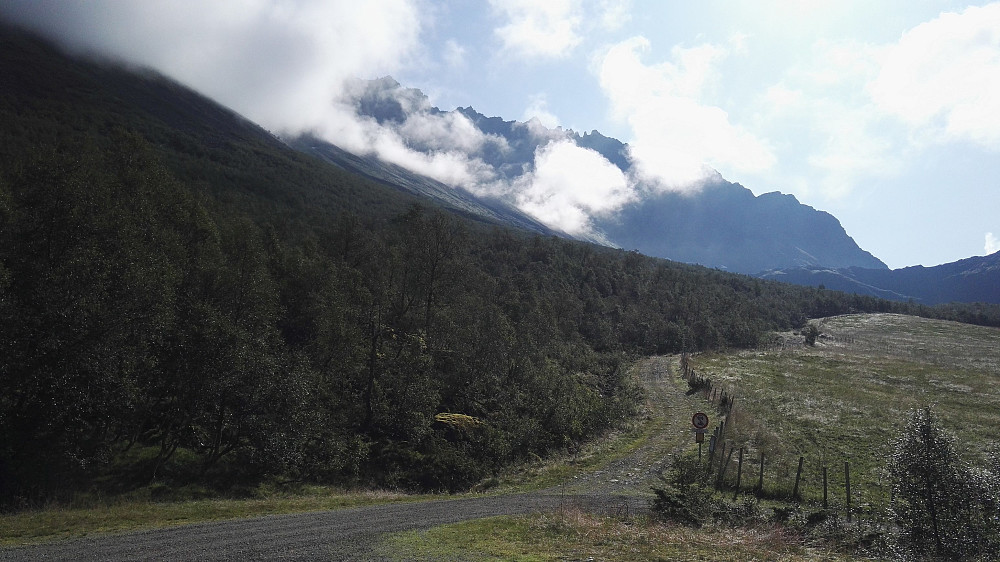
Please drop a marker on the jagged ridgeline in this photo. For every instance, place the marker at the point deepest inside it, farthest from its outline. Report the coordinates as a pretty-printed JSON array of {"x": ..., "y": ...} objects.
[{"x": 185, "y": 299}]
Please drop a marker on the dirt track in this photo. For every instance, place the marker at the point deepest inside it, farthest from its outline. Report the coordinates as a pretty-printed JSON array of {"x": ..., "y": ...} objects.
[{"x": 349, "y": 534}]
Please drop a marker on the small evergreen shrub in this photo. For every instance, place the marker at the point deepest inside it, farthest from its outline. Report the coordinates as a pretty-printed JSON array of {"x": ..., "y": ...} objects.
[
  {"x": 687, "y": 498},
  {"x": 941, "y": 505}
]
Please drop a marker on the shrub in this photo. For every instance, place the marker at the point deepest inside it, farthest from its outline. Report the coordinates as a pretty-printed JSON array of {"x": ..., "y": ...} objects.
[
  {"x": 940, "y": 504},
  {"x": 687, "y": 498},
  {"x": 811, "y": 332}
]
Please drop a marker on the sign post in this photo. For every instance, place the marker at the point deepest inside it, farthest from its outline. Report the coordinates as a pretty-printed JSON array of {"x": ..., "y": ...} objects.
[{"x": 700, "y": 423}]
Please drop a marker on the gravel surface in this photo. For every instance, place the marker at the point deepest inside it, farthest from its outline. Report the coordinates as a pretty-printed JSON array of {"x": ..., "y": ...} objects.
[
  {"x": 346, "y": 534},
  {"x": 622, "y": 486}
]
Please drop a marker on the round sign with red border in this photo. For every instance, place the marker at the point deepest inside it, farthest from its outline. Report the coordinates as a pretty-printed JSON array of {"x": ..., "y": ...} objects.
[{"x": 700, "y": 420}]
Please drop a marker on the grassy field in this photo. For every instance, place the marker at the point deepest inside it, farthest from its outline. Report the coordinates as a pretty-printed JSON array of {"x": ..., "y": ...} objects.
[{"x": 846, "y": 398}]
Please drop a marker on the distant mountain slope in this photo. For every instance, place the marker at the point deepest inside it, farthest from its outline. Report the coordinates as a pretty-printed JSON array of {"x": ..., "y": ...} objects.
[
  {"x": 725, "y": 226},
  {"x": 398, "y": 177},
  {"x": 202, "y": 141},
  {"x": 975, "y": 279},
  {"x": 722, "y": 225}
]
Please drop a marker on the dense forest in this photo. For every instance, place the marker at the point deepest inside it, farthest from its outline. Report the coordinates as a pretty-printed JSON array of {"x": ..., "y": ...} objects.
[{"x": 185, "y": 299}]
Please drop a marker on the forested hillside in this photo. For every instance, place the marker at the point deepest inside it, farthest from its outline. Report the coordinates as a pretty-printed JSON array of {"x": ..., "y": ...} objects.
[{"x": 184, "y": 299}]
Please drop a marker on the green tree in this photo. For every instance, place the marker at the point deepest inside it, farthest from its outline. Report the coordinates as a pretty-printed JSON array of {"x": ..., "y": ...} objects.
[
  {"x": 811, "y": 332},
  {"x": 940, "y": 504}
]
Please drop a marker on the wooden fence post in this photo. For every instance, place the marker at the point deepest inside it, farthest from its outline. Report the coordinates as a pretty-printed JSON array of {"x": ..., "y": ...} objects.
[
  {"x": 847, "y": 482},
  {"x": 713, "y": 444},
  {"x": 760, "y": 478},
  {"x": 824, "y": 488},
  {"x": 798, "y": 476},
  {"x": 739, "y": 475},
  {"x": 718, "y": 477},
  {"x": 724, "y": 466}
]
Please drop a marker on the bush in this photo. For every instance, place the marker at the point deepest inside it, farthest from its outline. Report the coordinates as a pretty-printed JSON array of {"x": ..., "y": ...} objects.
[
  {"x": 811, "y": 332},
  {"x": 941, "y": 505},
  {"x": 687, "y": 498}
]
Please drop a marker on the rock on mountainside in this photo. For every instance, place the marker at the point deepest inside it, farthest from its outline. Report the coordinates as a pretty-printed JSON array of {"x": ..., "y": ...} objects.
[{"x": 722, "y": 225}]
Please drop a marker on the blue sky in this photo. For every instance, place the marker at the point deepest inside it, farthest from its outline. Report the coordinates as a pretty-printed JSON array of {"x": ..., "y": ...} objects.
[{"x": 886, "y": 114}]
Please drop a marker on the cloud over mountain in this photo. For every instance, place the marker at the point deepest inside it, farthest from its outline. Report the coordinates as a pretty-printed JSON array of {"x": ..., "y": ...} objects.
[
  {"x": 278, "y": 63},
  {"x": 571, "y": 184},
  {"x": 676, "y": 134}
]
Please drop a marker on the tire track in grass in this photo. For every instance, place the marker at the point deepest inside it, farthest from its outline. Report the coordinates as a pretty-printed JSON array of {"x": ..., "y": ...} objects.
[{"x": 670, "y": 411}]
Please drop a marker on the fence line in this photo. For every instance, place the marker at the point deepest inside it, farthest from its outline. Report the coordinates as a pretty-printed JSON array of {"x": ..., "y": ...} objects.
[{"x": 724, "y": 401}]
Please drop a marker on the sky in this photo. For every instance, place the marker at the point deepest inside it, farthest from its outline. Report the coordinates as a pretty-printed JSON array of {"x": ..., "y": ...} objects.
[{"x": 885, "y": 114}]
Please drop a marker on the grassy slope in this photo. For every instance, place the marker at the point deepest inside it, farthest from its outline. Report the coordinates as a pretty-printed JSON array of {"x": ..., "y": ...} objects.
[{"x": 846, "y": 398}]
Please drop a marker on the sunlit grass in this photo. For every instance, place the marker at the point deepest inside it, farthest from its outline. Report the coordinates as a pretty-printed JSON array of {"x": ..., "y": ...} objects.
[
  {"x": 843, "y": 400},
  {"x": 577, "y": 535}
]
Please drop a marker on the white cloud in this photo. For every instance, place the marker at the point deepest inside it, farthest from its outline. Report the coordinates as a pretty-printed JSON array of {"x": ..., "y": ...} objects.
[
  {"x": 832, "y": 136},
  {"x": 569, "y": 185},
  {"x": 992, "y": 244},
  {"x": 861, "y": 111},
  {"x": 287, "y": 65},
  {"x": 454, "y": 54},
  {"x": 943, "y": 76},
  {"x": 614, "y": 14},
  {"x": 676, "y": 136},
  {"x": 536, "y": 29},
  {"x": 539, "y": 109},
  {"x": 445, "y": 132},
  {"x": 277, "y": 62}
]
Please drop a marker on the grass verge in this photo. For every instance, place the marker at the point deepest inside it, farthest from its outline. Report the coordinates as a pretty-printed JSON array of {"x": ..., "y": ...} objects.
[
  {"x": 56, "y": 523},
  {"x": 576, "y": 535}
]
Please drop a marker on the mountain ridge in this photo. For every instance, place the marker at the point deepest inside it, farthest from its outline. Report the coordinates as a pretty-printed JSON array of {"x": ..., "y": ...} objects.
[
  {"x": 722, "y": 224},
  {"x": 974, "y": 279}
]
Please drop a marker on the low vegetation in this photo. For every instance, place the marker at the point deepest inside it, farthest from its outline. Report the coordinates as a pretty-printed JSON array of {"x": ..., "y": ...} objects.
[
  {"x": 571, "y": 534},
  {"x": 884, "y": 404},
  {"x": 138, "y": 511}
]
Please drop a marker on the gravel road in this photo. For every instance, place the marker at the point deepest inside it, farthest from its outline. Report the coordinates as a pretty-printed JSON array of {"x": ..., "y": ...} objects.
[{"x": 350, "y": 534}]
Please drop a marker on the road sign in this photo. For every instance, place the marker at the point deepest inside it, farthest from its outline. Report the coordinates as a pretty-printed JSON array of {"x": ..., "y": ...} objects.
[{"x": 700, "y": 420}]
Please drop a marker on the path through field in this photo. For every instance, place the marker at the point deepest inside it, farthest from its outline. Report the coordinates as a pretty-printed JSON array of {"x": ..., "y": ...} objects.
[{"x": 350, "y": 534}]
